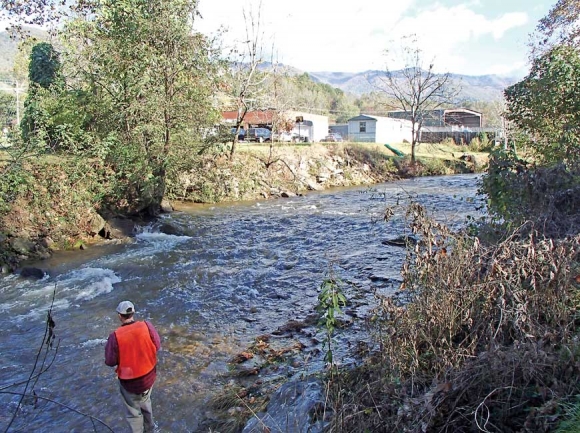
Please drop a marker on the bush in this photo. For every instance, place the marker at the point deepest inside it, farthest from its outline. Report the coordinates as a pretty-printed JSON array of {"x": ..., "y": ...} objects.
[
  {"x": 479, "y": 336},
  {"x": 520, "y": 193},
  {"x": 481, "y": 143}
]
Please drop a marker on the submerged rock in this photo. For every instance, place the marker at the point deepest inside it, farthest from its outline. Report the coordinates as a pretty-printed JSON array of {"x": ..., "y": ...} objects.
[
  {"x": 32, "y": 272},
  {"x": 401, "y": 241},
  {"x": 298, "y": 406}
]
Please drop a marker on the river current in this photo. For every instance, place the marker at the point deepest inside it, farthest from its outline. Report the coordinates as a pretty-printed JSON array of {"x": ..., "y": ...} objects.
[{"x": 210, "y": 278}]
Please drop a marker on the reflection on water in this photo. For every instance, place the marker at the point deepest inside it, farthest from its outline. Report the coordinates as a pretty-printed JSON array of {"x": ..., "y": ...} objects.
[{"x": 223, "y": 275}]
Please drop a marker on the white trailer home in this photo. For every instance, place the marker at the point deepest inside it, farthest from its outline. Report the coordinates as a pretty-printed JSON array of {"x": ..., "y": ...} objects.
[{"x": 377, "y": 129}]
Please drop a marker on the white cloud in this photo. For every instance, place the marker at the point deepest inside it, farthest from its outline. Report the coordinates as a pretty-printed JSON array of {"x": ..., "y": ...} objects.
[
  {"x": 508, "y": 22},
  {"x": 308, "y": 34},
  {"x": 325, "y": 35},
  {"x": 451, "y": 35}
]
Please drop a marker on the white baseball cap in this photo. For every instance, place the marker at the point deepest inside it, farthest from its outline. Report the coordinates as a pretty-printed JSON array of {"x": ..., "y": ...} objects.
[{"x": 125, "y": 307}]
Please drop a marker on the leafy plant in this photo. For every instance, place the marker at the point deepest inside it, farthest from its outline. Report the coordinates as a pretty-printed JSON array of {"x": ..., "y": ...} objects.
[
  {"x": 519, "y": 192},
  {"x": 330, "y": 300}
]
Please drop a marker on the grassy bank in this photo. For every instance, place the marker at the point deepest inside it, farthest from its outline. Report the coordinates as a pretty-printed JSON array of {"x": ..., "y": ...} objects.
[
  {"x": 56, "y": 201},
  {"x": 262, "y": 171}
]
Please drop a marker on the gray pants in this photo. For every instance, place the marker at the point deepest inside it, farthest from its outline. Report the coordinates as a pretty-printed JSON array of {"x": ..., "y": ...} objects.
[{"x": 138, "y": 410}]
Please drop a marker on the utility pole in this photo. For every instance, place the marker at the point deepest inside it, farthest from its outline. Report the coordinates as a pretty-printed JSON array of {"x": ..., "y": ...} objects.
[{"x": 17, "y": 89}]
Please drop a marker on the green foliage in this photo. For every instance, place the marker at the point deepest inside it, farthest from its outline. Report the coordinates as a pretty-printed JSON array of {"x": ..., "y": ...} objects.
[
  {"x": 546, "y": 106},
  {"x": 481, "y": 143},
  {"x": 571, "y": 424},
  {"x": 544, "y": 196},
  {"x": 40, "y": 126},
  {"x": 302, "y": 93},
  {"x": 7, "y": 109},
  {"x": 44, "y": 66},
  {"x": 147, "y": 80},
  {"x": 559, "y": 26},
  {"x": 14, "y": 181},
  {"x": 330, "y": 300},
  {"x": 53, "y": 122},
  {"x": 497, "y": 185}
]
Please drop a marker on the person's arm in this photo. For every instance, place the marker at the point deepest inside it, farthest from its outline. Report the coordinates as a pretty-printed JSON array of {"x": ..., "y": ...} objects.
[
  {"x": 112, "y": 351},
  {"x": 154, "y": 335}
]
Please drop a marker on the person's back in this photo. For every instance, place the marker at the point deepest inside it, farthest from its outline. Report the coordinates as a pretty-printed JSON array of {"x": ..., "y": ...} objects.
[{"x": 132, "y": 348}]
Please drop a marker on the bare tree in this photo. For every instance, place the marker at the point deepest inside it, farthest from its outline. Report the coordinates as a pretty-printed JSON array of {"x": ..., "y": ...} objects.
[
  {"x": 246, "y": 79},
  {"x": 416, "y": 89}
]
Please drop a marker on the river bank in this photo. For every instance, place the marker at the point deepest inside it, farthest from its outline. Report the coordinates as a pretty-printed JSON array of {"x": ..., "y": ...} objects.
[{"x": 58, "y": 212}]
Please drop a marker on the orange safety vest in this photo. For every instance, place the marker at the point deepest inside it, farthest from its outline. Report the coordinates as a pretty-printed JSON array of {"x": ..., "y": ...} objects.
[{"x": 137, "y": 353}]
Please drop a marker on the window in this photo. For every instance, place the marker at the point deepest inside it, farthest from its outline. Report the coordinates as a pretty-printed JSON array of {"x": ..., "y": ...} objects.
[{"x": 362, "y": 127}]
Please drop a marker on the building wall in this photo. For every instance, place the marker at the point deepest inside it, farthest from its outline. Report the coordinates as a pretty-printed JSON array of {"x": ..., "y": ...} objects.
[
  {"x": 445, "y": 117},
  {"x": 368, "y": 136},
  {"x": 393, "y": 130},
  {"x": 339, "y": 129},
  {"x": 469, "y": 120},
  {"x": 380, "y": 130}
]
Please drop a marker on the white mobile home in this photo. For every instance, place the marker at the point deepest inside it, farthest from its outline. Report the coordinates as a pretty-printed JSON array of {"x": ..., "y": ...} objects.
[{"x": 377, "y": 129}]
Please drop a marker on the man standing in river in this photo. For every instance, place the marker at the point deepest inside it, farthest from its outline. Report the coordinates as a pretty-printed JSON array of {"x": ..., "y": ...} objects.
[{"x": 132, "y": 348}]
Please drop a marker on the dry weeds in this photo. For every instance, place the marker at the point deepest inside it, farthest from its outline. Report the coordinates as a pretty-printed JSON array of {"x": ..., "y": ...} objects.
[{"x": 488, "y": 341}]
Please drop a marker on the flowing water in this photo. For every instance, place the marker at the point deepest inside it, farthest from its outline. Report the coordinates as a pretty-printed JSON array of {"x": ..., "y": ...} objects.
[{"x": 227, "y": 274}]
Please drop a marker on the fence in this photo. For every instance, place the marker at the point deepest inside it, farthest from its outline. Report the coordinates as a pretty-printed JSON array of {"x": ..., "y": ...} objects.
[{"x": 437, "y": 134}]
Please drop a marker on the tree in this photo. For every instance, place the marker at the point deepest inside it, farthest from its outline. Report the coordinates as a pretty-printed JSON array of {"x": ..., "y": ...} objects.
[
  {"x": 246, "y": 80},
  {"x": 32, "y": 12},
  {"x": 44, "y": 76},
  {"x": 546, "y": 105},
  {"x": 343, "y": 108},
  {"x": 416, "y": 89},
  {"x": 147, "y": 80},
  {"x": 559, "y": 27},
  {"x": 7, "y": 109}
]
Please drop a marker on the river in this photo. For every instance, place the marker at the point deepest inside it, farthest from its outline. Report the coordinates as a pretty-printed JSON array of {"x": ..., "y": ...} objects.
[{"x": 224, "y": 275}]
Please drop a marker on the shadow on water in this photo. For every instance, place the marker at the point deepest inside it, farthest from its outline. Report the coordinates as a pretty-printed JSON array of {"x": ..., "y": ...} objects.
[{"x": 211, "y": 278}]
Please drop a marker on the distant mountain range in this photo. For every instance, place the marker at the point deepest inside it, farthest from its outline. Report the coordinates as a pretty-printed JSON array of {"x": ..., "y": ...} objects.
[{"x": 475, "y": 88}]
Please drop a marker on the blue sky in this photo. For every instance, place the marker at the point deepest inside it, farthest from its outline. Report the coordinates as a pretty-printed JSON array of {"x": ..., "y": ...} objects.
[{"x": 474, "y": 37}]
